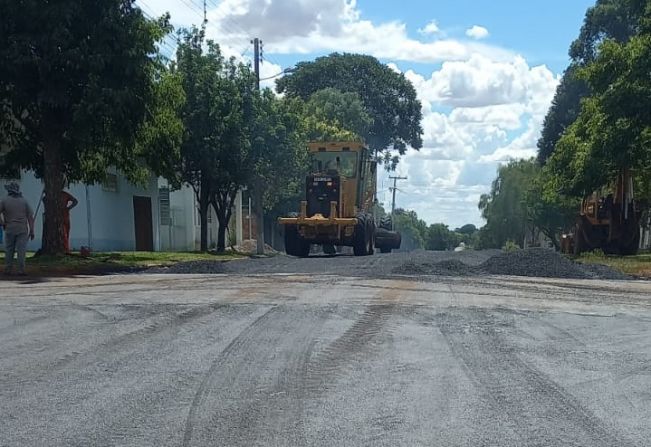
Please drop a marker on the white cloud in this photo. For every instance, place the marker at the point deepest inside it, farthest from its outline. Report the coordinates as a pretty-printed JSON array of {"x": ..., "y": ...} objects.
[
  {"x": 523, "y": 146},
  {"x": 477, "y": 32},
  {"x": 309, "y": 26},
  {"x": 476, "y": 114},
  {"x": 482, "y": 81},
  {"x": 431, "y": 28}
]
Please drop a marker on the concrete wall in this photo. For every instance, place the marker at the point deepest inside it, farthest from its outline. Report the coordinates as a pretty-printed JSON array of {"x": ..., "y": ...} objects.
[
  {"x": 185, "y": 232},
  {"x": 180, "y": 235},
  {"x": 111, "y": 213}
]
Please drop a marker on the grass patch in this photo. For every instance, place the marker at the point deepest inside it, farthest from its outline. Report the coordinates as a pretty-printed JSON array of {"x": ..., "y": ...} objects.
[
  {"x": 74, "y": 264},
  {"x": 637, "y": 265}
]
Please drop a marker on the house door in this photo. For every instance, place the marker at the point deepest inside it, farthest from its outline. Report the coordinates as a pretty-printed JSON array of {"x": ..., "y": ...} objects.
[{"x": 143, "y": 223}]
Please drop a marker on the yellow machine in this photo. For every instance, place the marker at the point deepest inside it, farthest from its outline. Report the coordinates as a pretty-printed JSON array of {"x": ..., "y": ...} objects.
[
  {"x": 608, "y": 220},
  {"x": 338, "y": 209}
]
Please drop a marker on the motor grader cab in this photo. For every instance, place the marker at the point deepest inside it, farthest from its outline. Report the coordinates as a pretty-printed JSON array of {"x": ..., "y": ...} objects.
[
  {"x": 338, "y": 210},
  {"x": 608, "y": 219}
]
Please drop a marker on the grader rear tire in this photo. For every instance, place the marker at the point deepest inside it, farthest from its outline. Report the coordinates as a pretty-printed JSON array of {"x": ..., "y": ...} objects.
[
  {"x": 361, "y": 237},
  {"x": 295, "y": 245}
]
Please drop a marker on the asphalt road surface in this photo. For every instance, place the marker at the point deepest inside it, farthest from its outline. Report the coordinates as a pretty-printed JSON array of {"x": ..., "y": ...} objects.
[{"x": 324, "y": 360}]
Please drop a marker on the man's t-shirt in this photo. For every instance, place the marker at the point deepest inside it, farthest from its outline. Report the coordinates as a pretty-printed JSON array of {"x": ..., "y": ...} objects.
[{"x": 16, "y": 212}]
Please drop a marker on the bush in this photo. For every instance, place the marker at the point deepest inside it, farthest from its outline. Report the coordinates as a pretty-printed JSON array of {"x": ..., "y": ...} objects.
[
  {"x": 595, "y": 254},
  {"x": 510, "y": 246}
]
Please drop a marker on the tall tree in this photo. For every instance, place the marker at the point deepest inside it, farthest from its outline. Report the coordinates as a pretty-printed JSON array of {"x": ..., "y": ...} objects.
[
  {"x": 77, "y": 78},
  {"x": 216, "y": 146},
  {"x": 504, "y": 208},
  {"x": 549, "y": 211},
  {"x": 563, "y": 111},
  {"x": 388, "y": 97},
  {"x": 234, "y": 147},
  {"x": 618, "y": 20},
  {"x": 278, "y": 152},
  {"x": 412, "y": 229},
  {"x": 613, "y": 130},
  {"x": 439, "y": 237}
]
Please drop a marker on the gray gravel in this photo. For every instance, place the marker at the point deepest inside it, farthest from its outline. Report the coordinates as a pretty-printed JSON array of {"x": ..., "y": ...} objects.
[{"x": 530, "y": 262}]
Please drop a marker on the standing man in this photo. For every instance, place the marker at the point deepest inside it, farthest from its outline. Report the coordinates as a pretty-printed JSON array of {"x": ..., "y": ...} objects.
[
  {"x": 17, "y": 218},
  {"x": 69, "y": 202}
]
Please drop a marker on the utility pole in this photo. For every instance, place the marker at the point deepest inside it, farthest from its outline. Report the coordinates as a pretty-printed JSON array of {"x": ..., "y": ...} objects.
[
  {"x": 257, "y": 183},
  {"x": 393, "y": 200},
  {"x": 257, "y": 46}
]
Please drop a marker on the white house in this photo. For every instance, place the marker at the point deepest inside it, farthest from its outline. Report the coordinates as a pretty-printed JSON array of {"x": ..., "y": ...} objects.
[
  {"x": 119, "y": 216},
  {"x": 112, "y": 216}
]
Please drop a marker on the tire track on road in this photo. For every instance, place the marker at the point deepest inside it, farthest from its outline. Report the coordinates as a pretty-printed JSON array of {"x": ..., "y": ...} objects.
[
  {"x": 539, "y": 410},
  {"x": 245, "y": 338},
  {"x": 89, "y": 352},
  {"x": 254, "y": 389}
]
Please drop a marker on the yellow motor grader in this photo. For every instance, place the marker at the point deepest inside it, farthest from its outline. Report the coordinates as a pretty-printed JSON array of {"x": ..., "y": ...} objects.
[
  {"x": 338, "y": 210},
  {"x": 607, "y": 220}
]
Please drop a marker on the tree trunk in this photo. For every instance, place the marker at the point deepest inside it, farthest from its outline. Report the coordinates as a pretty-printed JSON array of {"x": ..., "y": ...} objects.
[
  {"x": 221, "y": 236},
  {"x": 53, "y": 238},
  {"x": 204, "y": 204},
  {"x": 219, "y": 208},
  {"x": 222, "y": 204},
  {"x": 259, "y": 216}
]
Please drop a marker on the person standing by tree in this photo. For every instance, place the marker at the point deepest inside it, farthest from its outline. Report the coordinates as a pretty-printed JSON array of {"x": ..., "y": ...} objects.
[
  {"x": 69, "y": 202},
  {"x": 17, "y": 218}
]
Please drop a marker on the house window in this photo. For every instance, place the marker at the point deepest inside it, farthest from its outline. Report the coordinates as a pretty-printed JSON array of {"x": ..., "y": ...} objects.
[{"x": 164, "y": 206}]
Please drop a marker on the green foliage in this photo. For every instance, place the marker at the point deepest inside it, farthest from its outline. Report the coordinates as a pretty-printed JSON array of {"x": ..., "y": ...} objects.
[
  {"x": 550, "y": 212},
  {"x": 336, "y": 116},
  {"x": 439, "y": 237},
  {"x": 216, "y": 147},
  {"x": 417, "y": 235},
  {"x": 594, "y": 255},
  {"x": 468, "y": 229},
  {"x": 83, "y": 77},
  {"x": 388, "y": 98},
  {"x": 81, "y": 85},
  {"x": 504, "y": 208},
  {"x": 618, "y": 20},
  {"x": 412, "y": 229},
  {"x": 613, "y": 130},
  {"x": 521, "y": 203},
  {"x": 278, "y": 147},
  {"x": 563, "y": 111},
  {"x": 510, "y": 246}
]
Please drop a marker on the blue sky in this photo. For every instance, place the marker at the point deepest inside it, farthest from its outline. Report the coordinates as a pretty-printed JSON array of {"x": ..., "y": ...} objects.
[
  {"x": 539, "y": 30},
  {"x": 485, "y": 72}
]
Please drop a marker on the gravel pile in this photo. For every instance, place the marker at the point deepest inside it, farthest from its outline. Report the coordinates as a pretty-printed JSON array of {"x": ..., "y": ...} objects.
[
  {"x": 530, "y": 262},
  {"x": 534, "y": 262}
]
